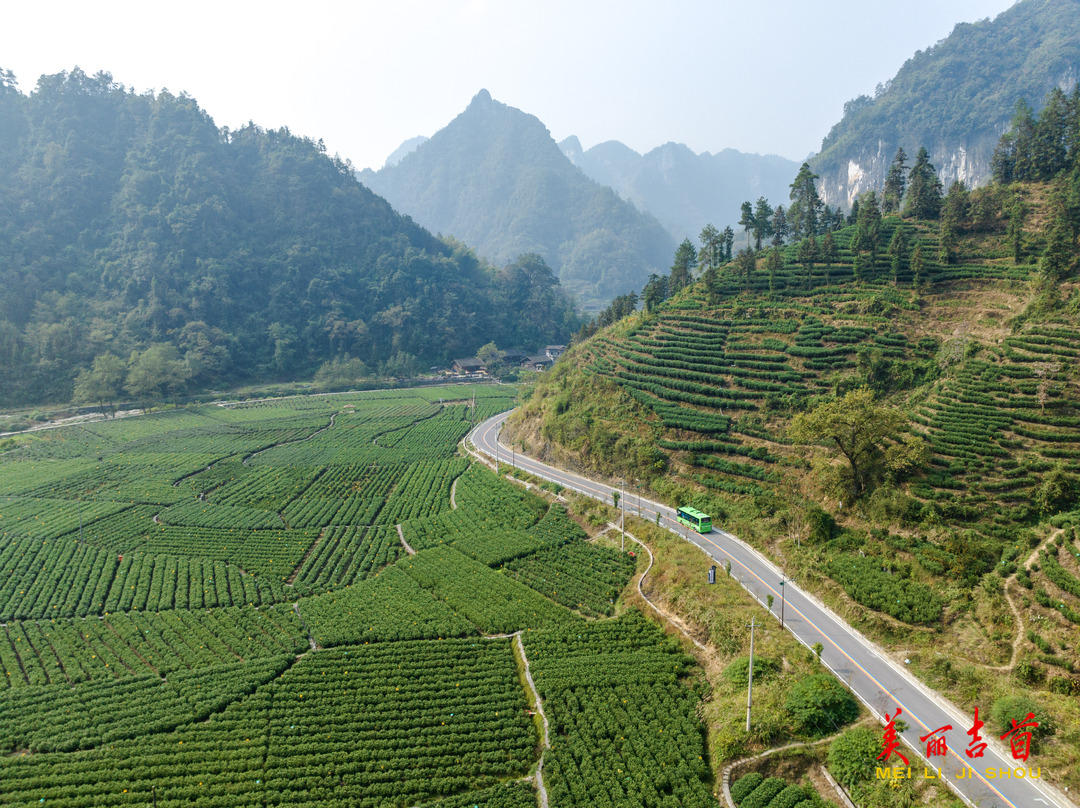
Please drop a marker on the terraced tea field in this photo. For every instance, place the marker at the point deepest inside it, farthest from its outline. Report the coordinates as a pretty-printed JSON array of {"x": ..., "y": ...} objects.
[{"x": 217, "y": 606}]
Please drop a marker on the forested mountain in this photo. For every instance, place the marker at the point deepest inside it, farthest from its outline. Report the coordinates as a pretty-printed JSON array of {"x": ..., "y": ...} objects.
[
  {"x": 684, "y": 190},
  {"x": 955, "y": 98},
  {"x": 887, "y": 404},
  {"x": 496, "y": 179},
  {"x": 131, "y": 220}
]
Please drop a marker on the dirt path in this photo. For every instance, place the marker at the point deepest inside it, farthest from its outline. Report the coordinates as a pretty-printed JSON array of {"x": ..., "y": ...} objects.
[
  {"x": 726, "y": 778},
  {"x": 292, "y": 578},
  {"x": 545, "y": 742},
  {"x": 679, "y": 624},
  {"x": 453, "y": 491},
  {"x": 311, "y": 640},
  {"x": 405, "y": 544},
  {"x": 246, "y": 460}
]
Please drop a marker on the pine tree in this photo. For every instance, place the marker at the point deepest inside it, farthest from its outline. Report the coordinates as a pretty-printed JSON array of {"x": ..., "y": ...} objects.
[
  {"x": 807, "y": 254},
  {"x": 1023, "y": 129},
  {"x": 1018, "y": 212},
  {"x": 685, "y": 258},
  {"x": 775, "y": 264},
  {"x": 868, "y": 229},
  {"x": 918, "y": 266},
  {"x": 712, "y": 247},
  {"x": 898, "y": 247},
  {"x": 954, "y": 213},
  {"x": 780, "y": 227},
  {"x": 729, "y": 243},
  {"x": 747, "y": 220},
  {"x": 924, "y": 188},
  {"x": 762, "y": 227},
  {"x": 829, "y": 254},
  {"x": 1051, "y": 136},
  {"x": 805, "y": 211},
  {"x": 895, "y": 183}
]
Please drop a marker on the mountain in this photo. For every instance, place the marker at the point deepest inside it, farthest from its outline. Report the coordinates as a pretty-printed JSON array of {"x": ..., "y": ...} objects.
[
  {"x": 128, "y": 220},
  {"x": 897, "y": 428},
  {"x": 496, "y": 179},
  {"x": 955, "y": 98},
  {"x": 409, "y": 146},
  {"x": 684, "y": 190}
]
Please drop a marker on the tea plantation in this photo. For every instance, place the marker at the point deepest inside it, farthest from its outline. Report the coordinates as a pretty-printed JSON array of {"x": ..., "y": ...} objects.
[{"x": 276, "y": 603}]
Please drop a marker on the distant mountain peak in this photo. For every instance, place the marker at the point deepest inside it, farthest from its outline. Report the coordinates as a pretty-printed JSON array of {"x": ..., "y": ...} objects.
[{"x": 482, "y": 97}]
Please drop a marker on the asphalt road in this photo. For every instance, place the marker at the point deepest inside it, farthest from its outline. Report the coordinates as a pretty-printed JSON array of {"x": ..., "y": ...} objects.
[{"x": 879, "y": 682}]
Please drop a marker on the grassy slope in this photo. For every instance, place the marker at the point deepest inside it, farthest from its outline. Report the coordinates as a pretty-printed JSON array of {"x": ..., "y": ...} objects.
[{"x": 987, "y": 373}]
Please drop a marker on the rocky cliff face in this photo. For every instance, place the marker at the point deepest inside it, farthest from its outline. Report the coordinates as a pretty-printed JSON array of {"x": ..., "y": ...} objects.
[
  {"x": 956, "y": 98},
  {"x": 842, "y": 182}
]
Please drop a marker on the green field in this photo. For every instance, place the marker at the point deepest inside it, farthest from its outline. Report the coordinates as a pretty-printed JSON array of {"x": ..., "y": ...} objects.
[{"x": 215, "y": 607}]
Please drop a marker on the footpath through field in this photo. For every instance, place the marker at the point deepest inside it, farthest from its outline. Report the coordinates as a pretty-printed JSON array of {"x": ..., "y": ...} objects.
[{"x": 995, "y": 780}]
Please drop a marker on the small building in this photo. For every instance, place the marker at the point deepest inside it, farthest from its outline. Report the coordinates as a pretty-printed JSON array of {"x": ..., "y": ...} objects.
[
  {"x": 538, "y": 362},
  {"x": 513, "y": 358},
  {"x": 472, "y": 365},
  {"x": 555, "y": 351}
]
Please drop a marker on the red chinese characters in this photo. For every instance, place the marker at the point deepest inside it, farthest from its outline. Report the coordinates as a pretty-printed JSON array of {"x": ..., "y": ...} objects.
[
  {"x": 890, "y": 743},
  {"x": 1020, "y": 742},
  {"x": 976, "y": 748},
  {"x": 936, "y": 744}
]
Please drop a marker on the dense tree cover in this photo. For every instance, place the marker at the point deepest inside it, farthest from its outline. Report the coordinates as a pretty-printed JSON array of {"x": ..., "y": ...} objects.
[
  {"x": 956, "y": 94},
  {"x": 132, "y": 222},
  {"x": 1040, "y": 147},
  {"x": 495, "y": 178}
]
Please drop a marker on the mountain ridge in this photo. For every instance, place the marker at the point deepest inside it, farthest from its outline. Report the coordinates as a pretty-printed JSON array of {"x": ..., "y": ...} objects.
[
  {"x": 495, "y": 178},
  {"x": 685, "y": 190},
  {"x": 955, "y": 98}
]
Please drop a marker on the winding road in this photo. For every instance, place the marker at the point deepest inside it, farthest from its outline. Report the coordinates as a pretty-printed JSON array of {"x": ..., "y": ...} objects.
[{"x": 990, "y": 781}]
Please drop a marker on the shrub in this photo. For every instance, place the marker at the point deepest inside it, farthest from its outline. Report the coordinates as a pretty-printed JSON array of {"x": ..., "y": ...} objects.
[
  {"x": 745, "y": 785},
  {"x": 1005, "y": 709},
  {"x": 820, "y": 704},
  {"x": 737, "y": 670},
  {"x": 764, "y": 794},
  {"x": 853, "y": 755}
]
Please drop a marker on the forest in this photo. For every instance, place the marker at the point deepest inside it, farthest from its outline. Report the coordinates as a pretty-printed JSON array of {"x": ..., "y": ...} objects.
[{"x": 133, "y": 228}]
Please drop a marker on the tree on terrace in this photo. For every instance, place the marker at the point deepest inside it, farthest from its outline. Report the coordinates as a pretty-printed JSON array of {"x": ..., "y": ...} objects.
[
  {"x": 895, "y": 183},
  {"x": 806, "y": 205},
  {"x": 872, "y": 438},
  {"x": 762, "y": 226},
  {"x": 746, "y": 220},
  {"x": 681, "y": 267},
  {"x": 924, "y": 188}
]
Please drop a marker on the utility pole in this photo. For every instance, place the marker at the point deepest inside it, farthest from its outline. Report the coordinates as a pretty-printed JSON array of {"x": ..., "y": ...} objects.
[
  {"x": 750, "y": 687},
  {"x": 622, "y": 520},
  {"x": 783, "y": 598}
]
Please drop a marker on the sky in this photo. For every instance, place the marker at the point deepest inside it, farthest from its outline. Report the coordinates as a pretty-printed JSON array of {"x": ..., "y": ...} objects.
[{"x": 764, "y": 76}]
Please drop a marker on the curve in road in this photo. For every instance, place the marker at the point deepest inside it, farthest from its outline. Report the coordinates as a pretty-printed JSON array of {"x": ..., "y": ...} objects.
[{"x": 991, "y": 781}]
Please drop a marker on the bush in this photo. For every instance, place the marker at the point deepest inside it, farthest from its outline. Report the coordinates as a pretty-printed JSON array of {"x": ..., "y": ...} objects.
[
  {"x": 737, "y": 670},
  {"x": 764, "y": 794},
  {"x": 789, "y": 797},
  {"x": 820, "y": 704},
  {"x": 853, "y": 756},
  {"x": 822, "y": 526},
  {"x": 745, "y": 785},
  {"x": 1005, "y": 709}
]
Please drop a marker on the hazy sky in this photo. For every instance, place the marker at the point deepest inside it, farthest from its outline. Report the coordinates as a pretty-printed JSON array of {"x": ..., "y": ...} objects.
[{"x": 768, "y": 76}]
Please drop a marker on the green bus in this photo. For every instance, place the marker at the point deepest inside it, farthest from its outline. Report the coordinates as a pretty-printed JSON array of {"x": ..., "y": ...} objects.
[{"x": 692, "y": 517}]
